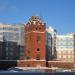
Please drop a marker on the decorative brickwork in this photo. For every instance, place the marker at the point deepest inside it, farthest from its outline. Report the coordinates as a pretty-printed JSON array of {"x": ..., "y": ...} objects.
[{"x": 31, "y": 63}]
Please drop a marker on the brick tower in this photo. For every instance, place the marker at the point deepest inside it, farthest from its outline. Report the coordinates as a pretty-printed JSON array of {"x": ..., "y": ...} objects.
[{"x": 35, "y": 42}]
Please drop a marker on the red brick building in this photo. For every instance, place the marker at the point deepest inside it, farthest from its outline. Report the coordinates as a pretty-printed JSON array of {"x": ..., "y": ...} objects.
[{"x": 35, "y": 42}]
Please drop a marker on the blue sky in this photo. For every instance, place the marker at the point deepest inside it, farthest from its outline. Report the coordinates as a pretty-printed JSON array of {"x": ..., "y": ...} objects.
[{"x": 59, "y": 14}]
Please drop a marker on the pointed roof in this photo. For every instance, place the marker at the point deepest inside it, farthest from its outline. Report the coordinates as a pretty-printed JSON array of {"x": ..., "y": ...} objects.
[{"x": 35, "y": 18}]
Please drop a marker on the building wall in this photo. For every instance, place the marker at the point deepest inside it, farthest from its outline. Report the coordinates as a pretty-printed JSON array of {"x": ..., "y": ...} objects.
[
  {"x": 1, "y": 50},
  {"x": 74, "y": 48},
  {"x": 61, "y": 64},
  {"x": 21, "y": 52},
  {"x": 10, "y": 51},
  {"x": 10, "y": 32},
  {"x": 51, "y": 43},
  {"x": 21, "y": 41},
  {"x": 65, "y": 48},
  {"x": 48, "y": 46},
  {"x": 12, "y": 38},
  {"x": 31, "y": 63}
]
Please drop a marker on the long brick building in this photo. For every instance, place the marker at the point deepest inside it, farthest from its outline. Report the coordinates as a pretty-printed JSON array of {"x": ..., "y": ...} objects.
[
  {"x": 35, "y": 47},
  {"x": 41, "y": 47}
]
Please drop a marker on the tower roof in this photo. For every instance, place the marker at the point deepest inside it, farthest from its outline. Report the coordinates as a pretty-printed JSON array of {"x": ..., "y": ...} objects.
[{"x": 35, "y": 18}]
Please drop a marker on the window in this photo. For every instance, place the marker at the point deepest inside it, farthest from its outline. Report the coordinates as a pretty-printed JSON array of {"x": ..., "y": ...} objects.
[
  {"x": 38, "y": 57},
  {"x": 6, "y": 53},
  {"x": 38, "y": 49},
  {"x": 36, "y": 28},
  {"x": 59, "y": 56},
  {"x": 59, "y": 52},
  {"x": 28, "y": 57},
  {"x": 6, "y": 48},
  {"x": 72, "y": 56},
  {"x": 69, "y": 52},
  {"x": 28, "y": 65},
  {"x": 64, "y": 56},
  {"x": 11, "y": 53},
  {"x": 28, "y": 52},
  {"x": 69, "y": 56},
  {"x": 38, "y": 39},
  {"x": 6, "y": 58},
  {"x": 30, "y": 38},
  {"x": 39, "y": 28}
]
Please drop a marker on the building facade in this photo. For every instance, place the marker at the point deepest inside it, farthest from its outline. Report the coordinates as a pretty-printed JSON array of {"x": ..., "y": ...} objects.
[
  {"x": 21, "y": 41},
  {"x": 10, "y": 39},
  {"x": 65, "y": 47},
  {"x": 1, "y": 50},
  {"x": 51, "y": 43},
  {"x": 35, "y": 41}
]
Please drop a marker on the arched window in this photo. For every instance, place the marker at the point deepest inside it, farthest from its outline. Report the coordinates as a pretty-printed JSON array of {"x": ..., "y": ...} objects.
[{"x": 38, "y": 49}]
